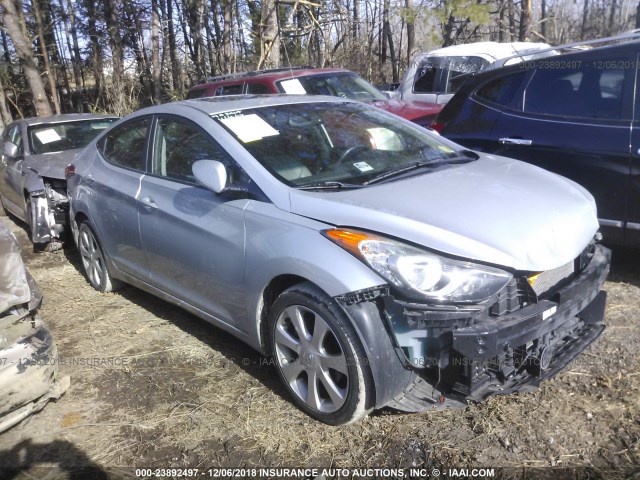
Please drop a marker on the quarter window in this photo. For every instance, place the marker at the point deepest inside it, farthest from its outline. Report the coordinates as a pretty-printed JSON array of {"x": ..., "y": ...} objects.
[
  {"x": 591, "y": 90},
  {"x": 125, "y": 145},
  {"x": 178, "y": 144},
  {"x": 501, "y": 90}
]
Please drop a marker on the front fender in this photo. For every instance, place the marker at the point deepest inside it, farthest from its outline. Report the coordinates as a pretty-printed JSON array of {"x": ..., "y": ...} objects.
[{"x": 33, "y": 183}]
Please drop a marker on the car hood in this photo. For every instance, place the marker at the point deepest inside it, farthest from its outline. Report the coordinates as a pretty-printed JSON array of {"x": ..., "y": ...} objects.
[
  {"x": 51, "y": 165},
  {"x": 492, "y": 210},
  {"x": 410, "y": 111}
]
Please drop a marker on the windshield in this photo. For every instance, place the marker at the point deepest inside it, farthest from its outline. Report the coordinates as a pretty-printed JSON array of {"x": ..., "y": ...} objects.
[
  {"x": 57, "y": 137},
  {"x": 333, "y": 143},
  {"x": 346, "y": 85}
]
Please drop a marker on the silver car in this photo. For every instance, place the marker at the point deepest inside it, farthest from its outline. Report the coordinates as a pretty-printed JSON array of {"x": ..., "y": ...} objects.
[
  {"x": 35, "y": 152},
  {"x": 377, "y": 263}
]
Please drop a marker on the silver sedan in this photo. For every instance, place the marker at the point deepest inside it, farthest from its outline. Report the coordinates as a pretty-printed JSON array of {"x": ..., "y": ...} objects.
[
  {"x": 375, "y": 262},
  {"x": 35, "y": 152}
]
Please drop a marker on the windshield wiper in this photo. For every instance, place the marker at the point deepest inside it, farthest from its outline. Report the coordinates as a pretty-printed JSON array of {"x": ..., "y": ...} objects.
[
  {"x": 329, "y": 185},
  {"x": 418, "y": 165}
]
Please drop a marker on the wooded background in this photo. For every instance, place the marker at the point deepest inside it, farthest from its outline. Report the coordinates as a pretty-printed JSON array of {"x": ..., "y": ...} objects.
[{"x": 116, "y": 56}]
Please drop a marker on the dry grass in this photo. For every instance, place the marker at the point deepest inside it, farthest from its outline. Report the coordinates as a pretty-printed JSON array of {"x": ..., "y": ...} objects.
[{"x": 181, "y": 395}]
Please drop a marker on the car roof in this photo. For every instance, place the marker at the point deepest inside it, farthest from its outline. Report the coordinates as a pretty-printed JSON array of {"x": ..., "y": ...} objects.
[
  {"x": 221, "y": 104},
  {"x": 488, "y": 50},
  {"x": 275, "y": 74},
  {"x": 67, "y": 117}
]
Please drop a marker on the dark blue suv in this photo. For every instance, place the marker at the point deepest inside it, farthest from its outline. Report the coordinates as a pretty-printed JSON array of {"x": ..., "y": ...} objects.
[{"x": 575, "y": 114}]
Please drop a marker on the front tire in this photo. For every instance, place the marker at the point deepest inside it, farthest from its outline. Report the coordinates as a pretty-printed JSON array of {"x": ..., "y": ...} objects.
[
  {"x": 94, "y": 261},
  {"x": 319, "y": 357}
]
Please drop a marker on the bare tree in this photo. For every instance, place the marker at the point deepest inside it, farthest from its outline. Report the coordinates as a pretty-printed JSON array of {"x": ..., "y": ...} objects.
[{"x": 16, "y": 28}]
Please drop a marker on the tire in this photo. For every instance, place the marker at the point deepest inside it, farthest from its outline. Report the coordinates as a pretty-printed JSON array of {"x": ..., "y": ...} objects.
[
  {"x": 94, "y": 262},
  {"x": 319, "y": 357}
]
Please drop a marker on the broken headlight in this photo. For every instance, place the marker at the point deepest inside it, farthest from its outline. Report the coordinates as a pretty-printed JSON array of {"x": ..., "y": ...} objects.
[{"x": 420, "y": 274}]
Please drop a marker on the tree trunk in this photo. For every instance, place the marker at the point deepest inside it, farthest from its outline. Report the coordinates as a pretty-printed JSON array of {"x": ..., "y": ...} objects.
[
  {"x": 44, "y": 51},
  {"x": 97, "y": 59},
  {"x": 17, "y": 30},
  {"x": 525, "y": 21},
  {"x": 118, "y": 100},
  {"x": 585, "y": 17},
  {"x": 269, "y": 35},
  {"x": 411, "y": 29},
  {"x": 612, "y": 17},
  {"x": 543, "y": 19},
  {"x": 155, "y": 51},
  {"x": 176, "y": 69},
  {"x": 227, "y": 13},
  {"x": 5, "y": 115},
  {"x": 512, "y": 19}
]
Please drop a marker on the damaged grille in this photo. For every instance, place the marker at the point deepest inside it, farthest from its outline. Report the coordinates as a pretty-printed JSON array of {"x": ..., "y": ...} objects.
[
  {"x": 545, "y": 281},
  {"x": 525, "y": 290}
]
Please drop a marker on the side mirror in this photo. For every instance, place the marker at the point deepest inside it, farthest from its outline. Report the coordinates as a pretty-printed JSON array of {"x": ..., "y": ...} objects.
[
  {"x": 211, "y": 173},
  {"x": 10, "y": 149}
]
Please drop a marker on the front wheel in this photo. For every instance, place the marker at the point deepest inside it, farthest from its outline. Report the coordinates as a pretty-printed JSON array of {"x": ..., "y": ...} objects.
[
  {"x": 319, "y": 357},
  {"x": 94, "y": 261}
]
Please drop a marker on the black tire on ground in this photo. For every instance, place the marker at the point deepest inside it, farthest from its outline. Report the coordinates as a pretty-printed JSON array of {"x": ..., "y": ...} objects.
[
  {"x": 94, "y": 261},
  {"x": 319, "y": 357}
]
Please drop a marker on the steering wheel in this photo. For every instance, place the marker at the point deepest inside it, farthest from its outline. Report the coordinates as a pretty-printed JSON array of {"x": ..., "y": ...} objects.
[{"x": 351, "y": 152}]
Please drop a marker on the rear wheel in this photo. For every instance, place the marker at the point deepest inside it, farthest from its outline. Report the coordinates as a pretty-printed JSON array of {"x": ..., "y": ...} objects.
[
  {"x": 94, "y": 261},
  {"x": 319, "y": 357}
]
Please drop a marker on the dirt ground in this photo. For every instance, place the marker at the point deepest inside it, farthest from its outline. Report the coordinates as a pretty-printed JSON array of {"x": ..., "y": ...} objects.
[{"x": 152, "y": 386}]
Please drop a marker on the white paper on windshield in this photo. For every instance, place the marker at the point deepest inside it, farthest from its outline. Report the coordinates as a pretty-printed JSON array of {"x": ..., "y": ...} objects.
[
  {"x": 293, "y": 87},
  {"x": 363, "y": 166},
  {"x": 48, "y": 136},
  {"x": 249, "y": 128}
]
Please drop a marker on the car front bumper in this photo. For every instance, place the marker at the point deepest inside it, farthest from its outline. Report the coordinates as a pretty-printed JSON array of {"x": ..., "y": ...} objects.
[
  {"x": 465, "y": 359},
  {"x": 27, "y": 368}
]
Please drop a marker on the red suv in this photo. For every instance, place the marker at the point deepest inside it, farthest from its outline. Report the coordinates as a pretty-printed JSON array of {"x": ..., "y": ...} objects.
[{"x": 336, "y": 82}]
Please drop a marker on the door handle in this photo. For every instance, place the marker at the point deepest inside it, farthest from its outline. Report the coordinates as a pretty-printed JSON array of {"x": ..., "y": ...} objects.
[
  {"x": 514, "y": 141},
  {"x": 148, "y": 203}
]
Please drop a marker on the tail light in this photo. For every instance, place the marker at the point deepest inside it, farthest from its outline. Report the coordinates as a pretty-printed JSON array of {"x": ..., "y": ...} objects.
[
  {"x": 69, "y": 170},
  {"x": 437, "y": 126}
]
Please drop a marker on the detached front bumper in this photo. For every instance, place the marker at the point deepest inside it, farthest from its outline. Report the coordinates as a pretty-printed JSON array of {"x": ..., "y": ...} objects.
[
  {"x": 27, "y": 369},
  {"x": 466, "y": 354}
]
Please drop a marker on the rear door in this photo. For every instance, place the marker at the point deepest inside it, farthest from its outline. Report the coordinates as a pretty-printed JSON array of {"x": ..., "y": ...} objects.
[
  {"x": 193, "y": 238},
  {"x": 574, "y": 118},
  {"x": 115, "y": 178},
  {"x": 633, "y": 221}
]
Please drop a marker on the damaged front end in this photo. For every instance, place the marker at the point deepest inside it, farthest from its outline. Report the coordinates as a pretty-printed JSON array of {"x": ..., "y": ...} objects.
[
  {"x": 49, "y": 212},
  {"x": 536, "y": 325},
  {"x": 28, "y": 364}
]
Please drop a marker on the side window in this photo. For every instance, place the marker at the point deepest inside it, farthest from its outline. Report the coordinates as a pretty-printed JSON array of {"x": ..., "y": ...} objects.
[
  {"x": 424, "y": 81},
  {"x": 591, "y": 89},
  {"x": 125, "y": 145},
  {"x": 178, "y": 144},
  {"x": 501, "y": 90},
  {"x": 258, "y": 88}
]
